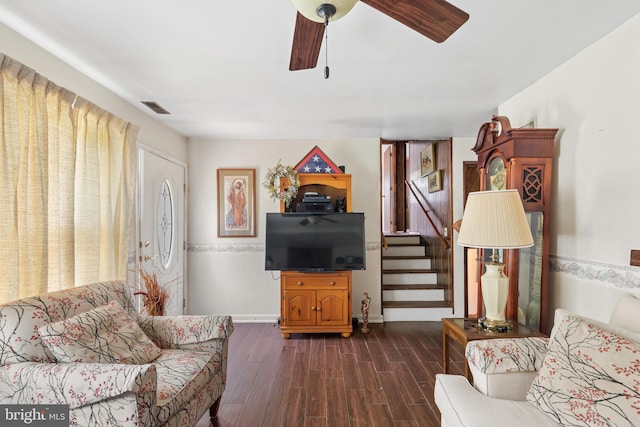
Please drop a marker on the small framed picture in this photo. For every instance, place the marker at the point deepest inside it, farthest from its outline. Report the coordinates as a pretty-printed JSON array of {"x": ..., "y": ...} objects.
[
  {"x": 435, "y": 181},
  {"x": 427, "y": 160},
  {"x": 236, "y": 202}
]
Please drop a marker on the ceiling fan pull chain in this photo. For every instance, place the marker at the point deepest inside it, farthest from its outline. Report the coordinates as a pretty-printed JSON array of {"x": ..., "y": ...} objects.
[
  {"x": 326, "y": 11},
  {"x": 326, "y": 46}
]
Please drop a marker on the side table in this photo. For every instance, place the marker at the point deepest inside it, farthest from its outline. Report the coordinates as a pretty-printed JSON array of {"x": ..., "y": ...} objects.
[{"x": 463, "y": 330}]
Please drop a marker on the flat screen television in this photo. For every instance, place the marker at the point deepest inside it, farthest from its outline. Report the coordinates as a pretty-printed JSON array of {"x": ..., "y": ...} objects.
[{"x": 315, "y": 241}]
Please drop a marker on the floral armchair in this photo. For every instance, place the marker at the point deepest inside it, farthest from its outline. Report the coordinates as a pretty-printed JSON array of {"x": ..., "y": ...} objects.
[{"x": 88, "y": 348}]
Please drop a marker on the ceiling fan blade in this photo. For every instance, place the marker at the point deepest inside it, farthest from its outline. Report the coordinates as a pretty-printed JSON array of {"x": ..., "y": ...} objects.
[
  {"x": 307, "y": 40},
  {"x": 436, "y": 19}
]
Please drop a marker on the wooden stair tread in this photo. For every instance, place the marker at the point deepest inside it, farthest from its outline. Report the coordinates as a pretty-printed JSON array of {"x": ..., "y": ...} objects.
[
  {"x": 409, "y": 271},
  {"x": 420, "y": 257},
  {"x": 401, "y": 233},
  {"x": 406, "y": 244},
  {"x": 415, "y": 304},
  {"x": 403, "y": 287}
]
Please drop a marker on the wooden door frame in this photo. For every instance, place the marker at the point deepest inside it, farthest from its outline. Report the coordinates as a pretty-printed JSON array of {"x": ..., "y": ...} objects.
[
  {"x": 469, "y": 185},
  {"x": 401, "y": 190},
  {"x": 399, "y": 203}
]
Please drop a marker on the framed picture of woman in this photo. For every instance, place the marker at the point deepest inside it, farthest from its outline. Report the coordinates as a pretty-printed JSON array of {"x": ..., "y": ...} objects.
[{"x": 236, "y": 202}]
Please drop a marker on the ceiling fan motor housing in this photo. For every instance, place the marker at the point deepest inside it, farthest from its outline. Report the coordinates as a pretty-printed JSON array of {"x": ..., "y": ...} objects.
[{"x": 326, "y": 11}]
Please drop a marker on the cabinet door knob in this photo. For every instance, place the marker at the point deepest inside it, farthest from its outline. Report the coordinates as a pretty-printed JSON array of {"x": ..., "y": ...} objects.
[
  {"x": 314, "y": 308},
  {"x": 332, "y": 283},
  {"x": 300, "y": 283}
]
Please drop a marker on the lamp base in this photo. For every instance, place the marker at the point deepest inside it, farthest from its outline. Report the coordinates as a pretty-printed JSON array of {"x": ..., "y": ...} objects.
[
  {"x": 495, "y": 291},
  {"x": 495, "y": 325}
]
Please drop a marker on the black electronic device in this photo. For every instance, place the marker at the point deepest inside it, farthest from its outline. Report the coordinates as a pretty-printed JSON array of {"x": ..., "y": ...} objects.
[
  {"x": 314, "y": 207},
  {"x": 315, "y": 198},
  {"x": 315, "y": 242},
  {"x": 314, "y": 202}
]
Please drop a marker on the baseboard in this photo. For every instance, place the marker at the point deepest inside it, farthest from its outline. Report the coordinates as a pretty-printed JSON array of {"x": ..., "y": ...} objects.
[
  {"x": 267, "y": 318},
  {"x": 271, "y": 318},
  {"x": 372, "y": 319},
  {"x": 417, "y": 314},
  {"x": 255, "y": 318}
]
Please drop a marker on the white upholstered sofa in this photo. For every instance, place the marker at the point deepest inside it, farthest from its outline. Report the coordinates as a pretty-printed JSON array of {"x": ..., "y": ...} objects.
[
  {"x": 88, "y": 348},
  {"x": 586, "y": 373}
]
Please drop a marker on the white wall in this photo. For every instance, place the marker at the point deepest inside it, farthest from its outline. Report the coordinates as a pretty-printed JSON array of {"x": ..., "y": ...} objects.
[
  {"x": 152, "y": 132},
  {"x": 593, "y": 100},
  {"x": 226, "y": 275}
]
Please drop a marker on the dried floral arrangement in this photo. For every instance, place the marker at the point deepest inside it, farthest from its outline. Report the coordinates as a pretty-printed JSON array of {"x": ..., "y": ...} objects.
[
  {"x": 154, "y": 297},
  {"x": 272, "y": 182}
]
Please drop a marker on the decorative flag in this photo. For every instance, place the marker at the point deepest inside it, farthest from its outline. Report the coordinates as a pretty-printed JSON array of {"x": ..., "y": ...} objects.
[{"x": 317, "y": 162}]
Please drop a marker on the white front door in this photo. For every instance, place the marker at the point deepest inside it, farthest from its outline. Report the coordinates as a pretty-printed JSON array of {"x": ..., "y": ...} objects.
[{"x": 162, "y": 223}]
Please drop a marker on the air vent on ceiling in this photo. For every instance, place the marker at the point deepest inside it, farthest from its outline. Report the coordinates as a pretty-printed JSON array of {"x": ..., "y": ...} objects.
[{"x": 155, "y": 107}]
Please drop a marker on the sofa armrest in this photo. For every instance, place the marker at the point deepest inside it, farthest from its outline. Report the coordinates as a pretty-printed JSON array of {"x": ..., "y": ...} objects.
[
  {"x": 507, "y": 354},
  {"x": 186, "y": 332},
  {"x": 460, "y": 405},
  {"x": 505, "y": 368},
  {"x": 73, "y": 384}
]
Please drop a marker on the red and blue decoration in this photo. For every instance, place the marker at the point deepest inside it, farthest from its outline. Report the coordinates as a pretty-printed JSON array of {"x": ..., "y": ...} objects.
[{"x": 317, "y": 162}]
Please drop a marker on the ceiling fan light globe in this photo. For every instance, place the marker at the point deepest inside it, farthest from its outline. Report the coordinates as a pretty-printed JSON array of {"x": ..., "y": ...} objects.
[{"x": 309, "y": 8}]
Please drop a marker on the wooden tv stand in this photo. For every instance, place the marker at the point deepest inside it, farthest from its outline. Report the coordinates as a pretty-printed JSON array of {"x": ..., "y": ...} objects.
[{"x": 315, "y": 302}]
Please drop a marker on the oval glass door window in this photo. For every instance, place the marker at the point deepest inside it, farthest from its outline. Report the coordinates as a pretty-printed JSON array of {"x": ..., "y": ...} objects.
[{"x": 165, "y": 224}]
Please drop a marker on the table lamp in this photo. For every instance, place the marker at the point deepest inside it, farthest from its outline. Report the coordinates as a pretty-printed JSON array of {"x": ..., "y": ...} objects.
[{"x": 495, "y": 220}]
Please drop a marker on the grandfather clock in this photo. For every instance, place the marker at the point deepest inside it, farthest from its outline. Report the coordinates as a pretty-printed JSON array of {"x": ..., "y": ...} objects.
[{"x": 521, "y": 159}]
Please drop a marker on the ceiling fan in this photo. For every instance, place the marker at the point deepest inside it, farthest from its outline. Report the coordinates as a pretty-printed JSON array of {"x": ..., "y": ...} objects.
[{"x": 435, "y": 19}]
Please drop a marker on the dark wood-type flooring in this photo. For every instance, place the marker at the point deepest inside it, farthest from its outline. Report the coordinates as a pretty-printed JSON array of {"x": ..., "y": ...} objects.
[{"x": 384, "y": 378}]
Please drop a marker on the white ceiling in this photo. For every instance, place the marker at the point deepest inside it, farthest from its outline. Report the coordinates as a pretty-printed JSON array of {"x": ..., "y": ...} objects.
[{"x": 221, "y": 67}]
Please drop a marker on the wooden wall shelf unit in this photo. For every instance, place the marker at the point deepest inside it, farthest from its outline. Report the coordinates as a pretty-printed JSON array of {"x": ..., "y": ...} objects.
[
  {"x": 522, "y": 159},
  {"x": 328, "y": 184},
  {"x": 317, "y": 302}
]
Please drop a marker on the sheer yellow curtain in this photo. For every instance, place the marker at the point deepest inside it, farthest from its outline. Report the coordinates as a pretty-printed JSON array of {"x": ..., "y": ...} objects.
[
  {"x": 67, "y": 169},
  {"x": 60, "y": 192},
  {"x": 104, "y": 193},
  {"x": 23, "y": 157}
]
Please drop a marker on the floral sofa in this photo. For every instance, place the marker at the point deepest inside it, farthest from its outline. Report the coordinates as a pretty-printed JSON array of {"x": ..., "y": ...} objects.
[
  {"x": 88, "y": 348},
  {"x": 587, "y": 373}
]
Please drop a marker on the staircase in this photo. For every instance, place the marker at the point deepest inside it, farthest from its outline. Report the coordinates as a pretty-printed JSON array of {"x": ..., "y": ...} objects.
[{"x": 410, "y": 291}]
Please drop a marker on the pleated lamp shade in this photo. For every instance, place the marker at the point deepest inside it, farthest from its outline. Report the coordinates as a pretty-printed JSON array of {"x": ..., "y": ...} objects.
[{"x": 495, "y": 220}]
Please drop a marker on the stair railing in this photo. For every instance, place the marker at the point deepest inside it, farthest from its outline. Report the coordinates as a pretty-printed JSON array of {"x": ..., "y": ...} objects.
[{"x": 443, "y": 241}]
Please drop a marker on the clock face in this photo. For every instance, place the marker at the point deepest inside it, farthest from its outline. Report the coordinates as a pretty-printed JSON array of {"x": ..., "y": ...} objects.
[{"x": 497, "y": 175}]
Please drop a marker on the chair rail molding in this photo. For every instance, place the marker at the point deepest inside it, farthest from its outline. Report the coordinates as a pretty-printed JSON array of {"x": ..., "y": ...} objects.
[
  {"x": 249, "y": 247},
  {"x": 619, "y": 276},
  {"x": 224, "y": 247}
]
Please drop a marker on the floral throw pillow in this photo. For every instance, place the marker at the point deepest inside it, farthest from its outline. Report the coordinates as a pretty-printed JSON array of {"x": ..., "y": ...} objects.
[
  {"x": 590, "y": 376},
  {"x": 105, "y": 334}
]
